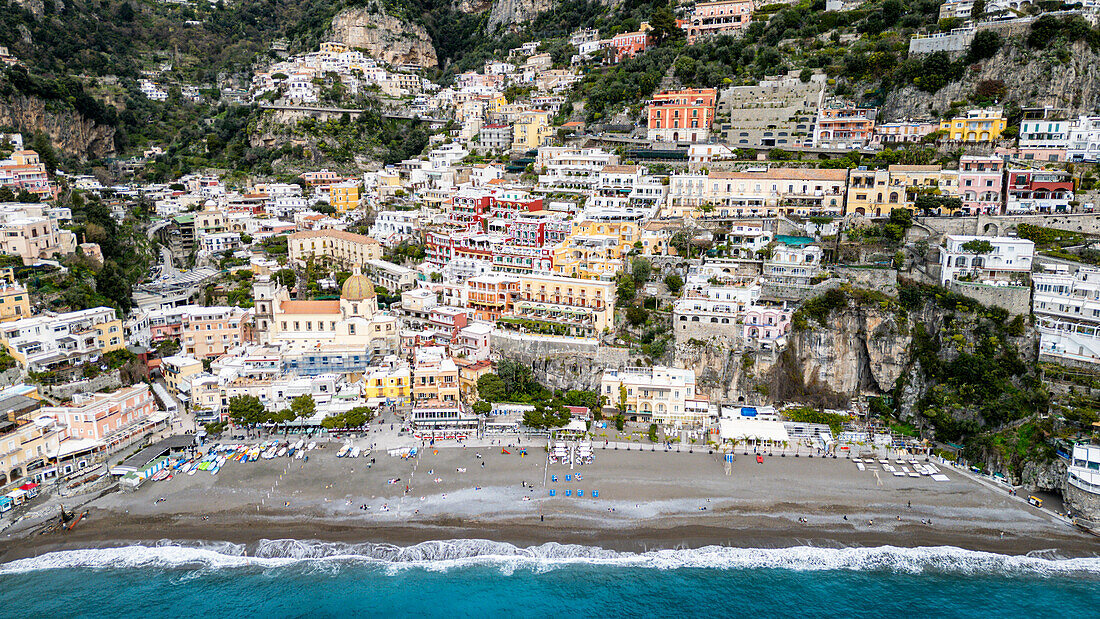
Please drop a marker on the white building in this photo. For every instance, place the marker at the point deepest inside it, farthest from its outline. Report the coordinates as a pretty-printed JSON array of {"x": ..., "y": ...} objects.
[
  {"x": 793, "y": 264},
  {"x": 962, "y": 257},
  {"x": 1083, "y": 141},
  {"x": 48, "y": 340},
  {"x": 1067, "y": 308},
  {"x": 392, "y": 227}
]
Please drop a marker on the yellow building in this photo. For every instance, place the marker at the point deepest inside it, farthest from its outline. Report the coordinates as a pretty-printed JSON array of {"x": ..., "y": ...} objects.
[
  {"x": 26, "y": 447},
  {"x": 468, "y": 374},
  {"x": 435, "y": 379},
  {"x": 531, "y": 130},
  {"x": 344, "y": 197},
  {"x": 875, "y": 193},
  {"x": 177, "y": 370},
  {"x": 595, "y": 249},
  {"x": 975, "y": 126},
  {"x": 15, "y": 303},
  {"x": 388, "y": 385},
  {"x": 494, "y": 104},
  {"x": 337, "y": 247},
  {"x": 585, "y": 306}
]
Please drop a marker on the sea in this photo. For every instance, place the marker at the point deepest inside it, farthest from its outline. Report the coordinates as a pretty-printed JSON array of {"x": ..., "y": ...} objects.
[{"x": 480, "y": 578}]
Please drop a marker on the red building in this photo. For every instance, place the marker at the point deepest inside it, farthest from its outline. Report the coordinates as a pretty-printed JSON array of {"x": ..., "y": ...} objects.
[
  {"x": 682, "y": 114},
  {"x": 629, "y": 44}
]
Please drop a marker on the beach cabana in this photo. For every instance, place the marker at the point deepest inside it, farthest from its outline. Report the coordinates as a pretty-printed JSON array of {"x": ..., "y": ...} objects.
[{"x": 756, "y": 432}]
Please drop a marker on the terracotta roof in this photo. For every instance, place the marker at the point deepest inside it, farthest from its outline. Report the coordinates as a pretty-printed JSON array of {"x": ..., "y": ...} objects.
[
  {"x": 797, "y": 174},
  {"x": 336, "y": 234},
  {"x": 310, "y": 307},
  {"x": 620, "y": 169}
]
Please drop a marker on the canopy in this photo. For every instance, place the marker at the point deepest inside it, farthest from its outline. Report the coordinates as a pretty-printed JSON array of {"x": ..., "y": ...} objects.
[
  {"x": 751, "y": 429},
  {"x": 15, "y": 494},
  {"x": 30, "y": 486}
]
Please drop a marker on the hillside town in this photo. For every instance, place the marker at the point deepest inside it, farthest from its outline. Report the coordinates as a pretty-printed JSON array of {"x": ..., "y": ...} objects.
[{"x": 760, "y": 266}]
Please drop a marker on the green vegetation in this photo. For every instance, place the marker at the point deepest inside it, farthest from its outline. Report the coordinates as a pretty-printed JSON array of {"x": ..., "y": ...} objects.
[
  {"x": 354, "y": 418},
  {"x": 809, "y": 415}
]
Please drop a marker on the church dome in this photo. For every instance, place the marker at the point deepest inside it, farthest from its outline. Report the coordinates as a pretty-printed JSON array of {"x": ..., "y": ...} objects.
[{"x": 357, "y": 288}]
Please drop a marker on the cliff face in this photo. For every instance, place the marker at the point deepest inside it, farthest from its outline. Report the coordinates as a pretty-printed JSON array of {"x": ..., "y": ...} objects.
[
  {"x": 509, "y": 14},
  {"x": 69, "y": 131},
  {"x": 1038, "y": 78},
  {"x": 859, "y": 349},
  {"x": 390, "y": 39}
]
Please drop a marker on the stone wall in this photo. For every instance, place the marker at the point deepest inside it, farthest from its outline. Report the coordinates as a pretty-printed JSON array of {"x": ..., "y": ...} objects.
[
  {"x": 953, "y": 42},
  {"x": 714, "y": 334},
  {"x": 1085, "y": 503},
  {"x": 883, "y": 280},
  {"x": 560, "y": 362},
  {"x": 1015, "y": 299},
  {"x": 792, "y": 292},
  {"x": 108, "y": 381}
]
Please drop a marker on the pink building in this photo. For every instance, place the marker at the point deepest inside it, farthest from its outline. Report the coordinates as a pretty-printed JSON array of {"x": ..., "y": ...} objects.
[
  {"x": 981, "y": 184},
  {"x": 718, "y": 17},
  {"x": 111, "y": 419},
  {"x": 629, "y": 44},
  {"x": 766, "y": 322}
]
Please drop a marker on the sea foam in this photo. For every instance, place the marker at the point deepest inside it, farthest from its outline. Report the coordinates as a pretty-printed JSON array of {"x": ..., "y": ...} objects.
[{"x": 459, "y": 553}]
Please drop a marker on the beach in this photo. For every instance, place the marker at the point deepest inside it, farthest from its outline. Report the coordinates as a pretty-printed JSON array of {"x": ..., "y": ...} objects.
[{"x": 646, "y": 500}]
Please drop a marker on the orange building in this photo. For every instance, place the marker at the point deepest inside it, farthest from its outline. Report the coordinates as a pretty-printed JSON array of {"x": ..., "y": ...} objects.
[
  {"x": 715, "y": 17},
  {"x": 682, "y": 114},
  {"x": 490, "y": 296},
  {"x": 630, "y": 44},
  {"x": 844, "y": 126}
]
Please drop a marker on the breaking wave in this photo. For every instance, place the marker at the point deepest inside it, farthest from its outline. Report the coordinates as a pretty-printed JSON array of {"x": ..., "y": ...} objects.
[{"x": 460, "y": 553}]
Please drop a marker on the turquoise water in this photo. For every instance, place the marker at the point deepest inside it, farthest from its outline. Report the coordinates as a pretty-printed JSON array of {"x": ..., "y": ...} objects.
[{"x": 472, "y": 578}]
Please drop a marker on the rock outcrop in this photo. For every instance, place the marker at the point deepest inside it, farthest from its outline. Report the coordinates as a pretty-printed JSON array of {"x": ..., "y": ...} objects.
[
  {"x": 509, "y": 14},
  {"x": 69, "y": 131},
  {"x": 1037, "y": 77},
  {"x": 390, "y": 39},
  {"x": 860, "y": 349}
]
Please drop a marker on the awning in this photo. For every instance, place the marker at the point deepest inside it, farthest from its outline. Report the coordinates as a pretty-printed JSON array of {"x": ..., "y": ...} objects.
[
  {"x": 157, "y": 417},
  {"x": 756, "y": 430},
  {"x": 77, "y": 445},
  {"x": 30, "y": 486}
]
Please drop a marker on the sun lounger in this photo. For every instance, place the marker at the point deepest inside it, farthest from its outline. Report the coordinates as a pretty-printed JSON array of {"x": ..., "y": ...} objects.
[
  {"x": 904, "y": 469},
  {"x": 899, "y": 474},
  {"x": 861, "y": 466},
  {"x": 940, "y": 477},
  {"x": 914, "y": 474}
]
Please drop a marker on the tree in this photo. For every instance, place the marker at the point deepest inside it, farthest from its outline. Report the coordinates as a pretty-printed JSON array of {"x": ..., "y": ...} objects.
[
  {"x": 111, "y": 283},
  {"x": 247, "y": 410},
  {"x": 664, "y": 25},
  {"x": 490, "y": 387},
  {"x": 303, "y": 406},
  {"x": 483, "y": 408},
  {"x": 978, "y": 246},
  {"x": 516, "y": 376},
  {"x": 625, "y": 291},
  {"x": 26, "y": 196},
  {"x": 6, "y": 194},
  {"x": 674, "y": 283},
  {"x": 636, "y": 315},
  {"x": 546, "y": 415},
  {"x": 985, "y": 44},
  {"x": 640, "y": 269},
  {"x": 286, "y": 277}
]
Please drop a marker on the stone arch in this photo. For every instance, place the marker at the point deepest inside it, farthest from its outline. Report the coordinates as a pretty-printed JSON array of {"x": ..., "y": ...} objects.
[{"x": 992, "y": 229}]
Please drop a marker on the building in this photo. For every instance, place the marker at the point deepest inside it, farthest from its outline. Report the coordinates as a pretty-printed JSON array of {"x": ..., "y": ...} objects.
[
  {"x": 657, "y": 394},
  {"x": 344, "y": 197},
  {"x": 1083, "y": 140},
  {"x": 15, "y": 303},
  {"x": 390, "y": 276},
  {"x": 178, "y": 370},
  {"x": 49, "y": 340},
  {"x": 793, "y": 265},
  {"x": 210, "y": 332},
  {"x": 757, "y": 193},
  {"x": 843, "y": 126},
  {"x": 982, "y": 125},
  {"x": 724, "y": 16},
  {"x": 392, "y": 227},
  {"x": 336, "y": 247},
  {"x": 630, "y": 44},
  {"x": 111, "y": 420},
  {"x": 778, "y": 112},
  {"x": 981, "y": 184},
  {"x": 550, "y": 303},
  {"x": 903, "y": 131},
  {"x": 1066, "y": 303},
  {"x": 28, "y": 448},
  {"x": 496, "y": 137},
  {"x": 1005, "y": 259},
  {"x": 28, "y": 232},
  {"x": 1082, "y": 489},
  {"x": 1038, "y": 191},
  {"x": 531, "y": 130},
  {"x": 682, "y": 114},
  {"x": 490, "y": 296}
]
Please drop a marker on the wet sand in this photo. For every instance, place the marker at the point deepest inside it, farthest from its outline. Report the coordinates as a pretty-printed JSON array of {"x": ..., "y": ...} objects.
[{"x": 646, "y": 500}]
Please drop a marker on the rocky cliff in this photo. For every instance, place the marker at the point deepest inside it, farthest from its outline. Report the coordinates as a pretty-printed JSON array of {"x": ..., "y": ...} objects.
[
  {"x": 390, "y": 39},
  {"x": 1037, "y": 77},
  {"x": 68, "y": 130},
  {"x": 510, "y": 14}
]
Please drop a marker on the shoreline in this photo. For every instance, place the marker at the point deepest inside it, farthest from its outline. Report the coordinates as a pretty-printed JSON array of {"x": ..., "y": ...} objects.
[
  {"x": 98, "y": 533},
  {"x": 647, "y": 501}
]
